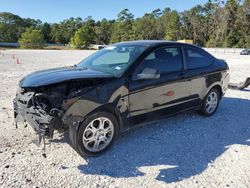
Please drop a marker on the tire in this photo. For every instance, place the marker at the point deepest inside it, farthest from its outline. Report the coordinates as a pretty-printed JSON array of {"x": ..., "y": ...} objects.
[
  {"x": 210, "y": 103},
  {"x": 96, "y": 134}
]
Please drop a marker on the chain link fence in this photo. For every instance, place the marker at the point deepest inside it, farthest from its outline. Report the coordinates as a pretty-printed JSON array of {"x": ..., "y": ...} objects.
[{"x": 224, "y": 50}]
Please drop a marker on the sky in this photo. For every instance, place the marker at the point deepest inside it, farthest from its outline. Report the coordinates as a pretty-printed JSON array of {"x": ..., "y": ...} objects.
[{"x": 52, "y": 11}]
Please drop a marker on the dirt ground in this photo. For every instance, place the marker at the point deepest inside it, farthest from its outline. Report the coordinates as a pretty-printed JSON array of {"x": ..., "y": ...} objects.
[{"x": 184, "y": 151}]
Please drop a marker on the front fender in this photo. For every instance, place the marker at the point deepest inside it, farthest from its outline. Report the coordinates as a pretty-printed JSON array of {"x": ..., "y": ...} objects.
[
  {"x": 88, "y": 103},
  {"x": 82, "y": 107},
  {"x": 77, "y": 112}
]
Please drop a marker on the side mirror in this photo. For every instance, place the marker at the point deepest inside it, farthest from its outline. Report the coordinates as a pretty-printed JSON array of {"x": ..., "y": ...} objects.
[{"x": 148, "y": 73}]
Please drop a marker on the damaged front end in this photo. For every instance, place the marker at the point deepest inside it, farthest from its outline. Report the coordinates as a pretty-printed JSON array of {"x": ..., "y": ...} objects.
[
  {"x": 37, "y": 110},
  {"x": 44, "y": 98},
  {"x": 44, "y": 107}
]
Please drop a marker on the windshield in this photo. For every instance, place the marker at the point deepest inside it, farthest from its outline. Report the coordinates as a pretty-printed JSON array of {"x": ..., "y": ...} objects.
[{"x": 113, "y": 59}]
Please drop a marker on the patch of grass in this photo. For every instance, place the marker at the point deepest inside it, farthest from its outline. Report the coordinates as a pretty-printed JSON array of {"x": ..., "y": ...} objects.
[{"x": 58, "y": 48}]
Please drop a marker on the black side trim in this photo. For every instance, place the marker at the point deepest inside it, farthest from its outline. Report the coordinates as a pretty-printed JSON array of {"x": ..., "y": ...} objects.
[
  {"x": 163, "y": 113},
  {"x": 180, "y": 100},
  {"x": 184, "y": 99}
]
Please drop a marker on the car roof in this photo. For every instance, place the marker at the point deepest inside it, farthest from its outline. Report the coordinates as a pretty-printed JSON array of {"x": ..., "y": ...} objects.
[{"x": 153, "y": 43}]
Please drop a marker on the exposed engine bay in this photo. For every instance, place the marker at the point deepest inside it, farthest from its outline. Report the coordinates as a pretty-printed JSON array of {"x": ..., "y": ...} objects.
[{"x": 44, "y": 107}]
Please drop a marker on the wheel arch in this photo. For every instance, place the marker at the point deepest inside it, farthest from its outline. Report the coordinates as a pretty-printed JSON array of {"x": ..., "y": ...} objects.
[
  {"x": 202, "y": 110},
  {"x": 74, "y": 121},
  {"x": 110, "y": 108},
  {"x": 219, "y": 88}
]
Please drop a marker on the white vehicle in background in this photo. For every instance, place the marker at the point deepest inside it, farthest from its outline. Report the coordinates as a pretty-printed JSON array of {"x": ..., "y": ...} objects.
[
  {"x": 245, "y": 52},
  {"x": 96, "y": 47}
]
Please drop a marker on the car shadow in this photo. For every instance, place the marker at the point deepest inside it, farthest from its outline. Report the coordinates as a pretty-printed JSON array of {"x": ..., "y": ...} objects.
[{"x": 175, "y": 148}]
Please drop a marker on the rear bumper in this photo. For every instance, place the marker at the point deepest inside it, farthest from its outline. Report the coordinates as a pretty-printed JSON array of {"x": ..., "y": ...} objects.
[{"x": 225, "y": 82}]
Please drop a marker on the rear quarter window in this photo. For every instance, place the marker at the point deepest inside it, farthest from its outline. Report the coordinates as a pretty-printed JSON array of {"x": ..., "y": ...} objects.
[
  {"x": 164, "y": 59},
  {"x": 196, "y": 58}
]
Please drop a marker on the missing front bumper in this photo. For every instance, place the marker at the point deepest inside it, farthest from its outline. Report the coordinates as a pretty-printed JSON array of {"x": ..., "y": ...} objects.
[{"x": 43, "y": 125}]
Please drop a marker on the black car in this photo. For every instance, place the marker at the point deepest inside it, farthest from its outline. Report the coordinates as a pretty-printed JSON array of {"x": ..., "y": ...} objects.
[
  {"x": 118, "y": 87},
  {"x": 245, "y": 52}
]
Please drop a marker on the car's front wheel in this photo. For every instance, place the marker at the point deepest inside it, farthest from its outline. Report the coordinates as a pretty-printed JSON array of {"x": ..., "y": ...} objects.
[
  {"x": 210, "y": 103},
  {"x": 97, "y": 133}
]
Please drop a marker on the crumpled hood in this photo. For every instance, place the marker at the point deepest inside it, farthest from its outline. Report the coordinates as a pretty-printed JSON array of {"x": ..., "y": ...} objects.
[{"x": 57, "y": 75}]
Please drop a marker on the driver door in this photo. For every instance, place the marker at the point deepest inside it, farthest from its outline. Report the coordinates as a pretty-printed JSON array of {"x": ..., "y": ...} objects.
[{"x": 168, "y": 89}]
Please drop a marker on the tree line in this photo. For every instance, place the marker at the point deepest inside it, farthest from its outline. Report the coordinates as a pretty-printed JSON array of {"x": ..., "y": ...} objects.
[{"x": 215, "y": 24}]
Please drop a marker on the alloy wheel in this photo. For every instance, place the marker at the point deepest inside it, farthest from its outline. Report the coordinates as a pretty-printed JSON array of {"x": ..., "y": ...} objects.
[
  {"x": 98, "y": 134},
  {"x": 212, "y": 102}
]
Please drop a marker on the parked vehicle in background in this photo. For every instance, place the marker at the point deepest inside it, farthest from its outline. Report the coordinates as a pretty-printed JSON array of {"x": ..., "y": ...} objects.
[
  {"x": 245, "y": 52},
  {"x": 96, "y": 47},
  {"x": 118, "y": 87}
]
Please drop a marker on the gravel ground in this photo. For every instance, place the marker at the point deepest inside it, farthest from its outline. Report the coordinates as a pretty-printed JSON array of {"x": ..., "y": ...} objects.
[{"x": 183, "y": 151}]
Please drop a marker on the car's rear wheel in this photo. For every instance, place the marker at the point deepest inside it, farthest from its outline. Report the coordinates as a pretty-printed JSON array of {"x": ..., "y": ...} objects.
[
  {"x": 210, "y": 103},
  {"x": 97, "y": 133}
]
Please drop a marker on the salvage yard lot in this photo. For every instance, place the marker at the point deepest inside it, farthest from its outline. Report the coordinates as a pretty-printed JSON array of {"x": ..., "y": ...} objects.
[{"x": 184, "y": 151}]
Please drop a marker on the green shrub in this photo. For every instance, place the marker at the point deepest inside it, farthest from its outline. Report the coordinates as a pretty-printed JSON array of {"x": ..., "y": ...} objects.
[
  {"x": 83, "y": 36},
  {"x": 31, "y": 38}
]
